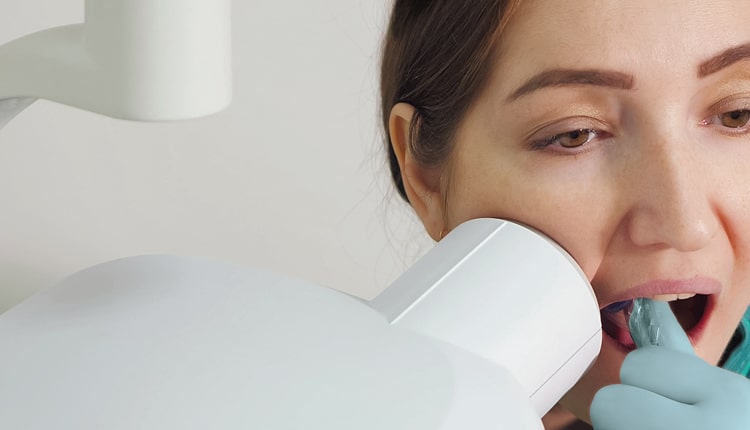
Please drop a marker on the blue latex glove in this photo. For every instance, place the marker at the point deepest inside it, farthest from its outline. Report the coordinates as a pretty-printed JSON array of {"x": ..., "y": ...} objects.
[{"x": 666, "y": 386}]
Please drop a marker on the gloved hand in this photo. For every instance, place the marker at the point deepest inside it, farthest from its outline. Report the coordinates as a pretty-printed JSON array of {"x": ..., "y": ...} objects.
[{"x": 664, "y": 385}]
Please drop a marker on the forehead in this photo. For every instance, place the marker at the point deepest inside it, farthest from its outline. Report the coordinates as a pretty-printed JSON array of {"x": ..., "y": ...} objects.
[{"x": 665, "y": 37}]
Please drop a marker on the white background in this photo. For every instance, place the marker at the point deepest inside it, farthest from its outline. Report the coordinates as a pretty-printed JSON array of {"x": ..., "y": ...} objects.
[{"x": 290, "y": 178}]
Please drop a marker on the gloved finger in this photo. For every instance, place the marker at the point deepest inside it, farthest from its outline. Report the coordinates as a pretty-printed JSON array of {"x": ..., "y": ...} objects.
[
  {"x": 623, "y": 407},
  {"x": 671, "y": 374},
  {"x": 653, "y": 323}
]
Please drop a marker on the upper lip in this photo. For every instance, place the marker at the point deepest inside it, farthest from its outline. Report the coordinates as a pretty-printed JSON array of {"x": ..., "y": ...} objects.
[{"x": 697, "y": 285}]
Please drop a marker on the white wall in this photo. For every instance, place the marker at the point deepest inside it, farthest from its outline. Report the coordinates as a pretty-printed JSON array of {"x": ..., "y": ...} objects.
[{"x": 290, "y": 178}]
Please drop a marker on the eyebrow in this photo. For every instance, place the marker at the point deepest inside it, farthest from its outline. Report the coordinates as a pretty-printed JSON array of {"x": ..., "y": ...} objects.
[
  {"x": 619, "y": 80},
  {"x": 723, "y": 60},
  {"x": 573, "y": 77}
]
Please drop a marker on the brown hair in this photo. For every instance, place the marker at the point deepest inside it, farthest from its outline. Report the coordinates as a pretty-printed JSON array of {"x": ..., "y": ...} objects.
[{"x": 437, "y": 55}]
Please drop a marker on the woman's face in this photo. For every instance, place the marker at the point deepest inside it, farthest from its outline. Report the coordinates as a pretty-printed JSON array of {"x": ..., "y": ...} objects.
[{"x": 621, "y": 130}]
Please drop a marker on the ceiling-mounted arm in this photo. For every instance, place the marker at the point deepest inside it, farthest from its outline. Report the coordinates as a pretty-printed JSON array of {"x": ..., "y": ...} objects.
[{"x": 145, "y": 60}]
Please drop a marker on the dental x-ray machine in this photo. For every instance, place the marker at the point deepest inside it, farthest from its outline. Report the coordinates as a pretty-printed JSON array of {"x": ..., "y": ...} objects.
[{"x": 488, "y": 330}]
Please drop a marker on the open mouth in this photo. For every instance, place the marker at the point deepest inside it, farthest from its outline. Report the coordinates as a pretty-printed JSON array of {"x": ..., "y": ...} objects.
[{"x": 689, "y": 312}]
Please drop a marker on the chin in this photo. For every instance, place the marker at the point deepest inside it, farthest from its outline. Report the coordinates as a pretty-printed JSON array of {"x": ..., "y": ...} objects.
[{"x": 605, "y": 371}]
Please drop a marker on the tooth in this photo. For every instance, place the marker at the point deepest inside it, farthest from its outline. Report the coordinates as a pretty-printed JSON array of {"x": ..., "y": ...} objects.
[
  {"x": 672, "y": 297},
  {"x": 665, "y": 297}
]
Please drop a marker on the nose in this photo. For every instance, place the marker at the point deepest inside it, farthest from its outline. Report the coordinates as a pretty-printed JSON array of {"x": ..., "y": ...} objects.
[{"x": 672, "y": 195}]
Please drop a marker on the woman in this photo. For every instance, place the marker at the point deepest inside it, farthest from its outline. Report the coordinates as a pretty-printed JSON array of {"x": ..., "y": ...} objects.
[{"x": 620, "y": 129}]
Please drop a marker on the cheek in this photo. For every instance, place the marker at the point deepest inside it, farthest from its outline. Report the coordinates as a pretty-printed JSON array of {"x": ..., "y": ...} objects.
[{"x": 579, "y": 214}]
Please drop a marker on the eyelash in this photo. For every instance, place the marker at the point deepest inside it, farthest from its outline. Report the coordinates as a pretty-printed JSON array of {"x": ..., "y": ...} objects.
[{"x": 554, "y": 140}]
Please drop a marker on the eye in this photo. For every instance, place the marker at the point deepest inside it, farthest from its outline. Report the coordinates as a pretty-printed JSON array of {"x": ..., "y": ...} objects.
[
  {"x": 735, "y": 118},
  {"x": 731, "y": 117},
  {"x": 575, "y": 138},
  {"x": 569, "y": 139}
]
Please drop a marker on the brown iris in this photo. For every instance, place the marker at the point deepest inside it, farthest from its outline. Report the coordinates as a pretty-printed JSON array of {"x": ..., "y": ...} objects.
[
  {"x": 574, "y": 138},
  {"x": 735, "y": 118}
]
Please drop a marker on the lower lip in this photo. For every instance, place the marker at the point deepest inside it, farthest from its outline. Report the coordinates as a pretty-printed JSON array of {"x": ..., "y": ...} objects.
[{"x": 695, "y": 334}]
